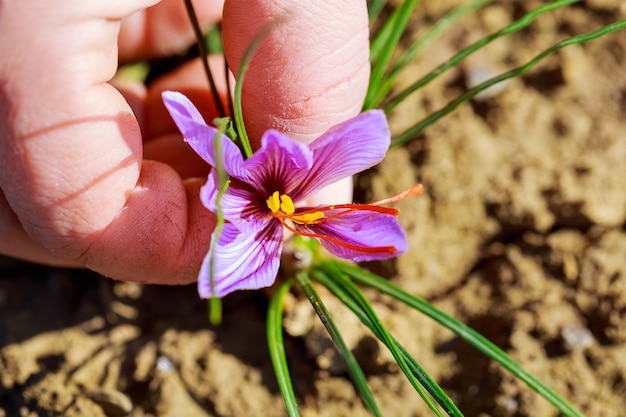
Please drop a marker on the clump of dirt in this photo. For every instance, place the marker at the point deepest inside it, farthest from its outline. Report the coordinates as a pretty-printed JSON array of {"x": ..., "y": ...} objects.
[{"x": 520, "y": 234}]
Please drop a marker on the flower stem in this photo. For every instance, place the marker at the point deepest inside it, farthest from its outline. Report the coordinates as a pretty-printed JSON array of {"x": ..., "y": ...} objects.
[
  {"x": 465, "y": 332},
  {"x": 204, "y": 58},
  {"x": 276, "y": 347},
  {"x": 353, "y": 366}
]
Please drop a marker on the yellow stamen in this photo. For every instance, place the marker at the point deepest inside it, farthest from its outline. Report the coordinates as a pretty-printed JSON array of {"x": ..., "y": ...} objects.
[
  {"x": 273, "y": 202},
  {"x": 307, "y": 217},
  {"x": 286, "y": 204},
  {"x": 282, "y": 206}
]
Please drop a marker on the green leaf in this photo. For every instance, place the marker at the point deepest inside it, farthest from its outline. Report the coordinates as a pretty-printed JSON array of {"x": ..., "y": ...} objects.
[
  {"x": 420, "y": 44},
  {"x": 215, "y": 311},
  {"x": 353, "y": 366},
  {"x": 338, "y": 283},
  {"x": 374, "y": 8},
  {"x": 425, "y": 379},
  {"x": 468, "y": 95},
  {"x": 384, "y": 44},
  {"x": 215, "y": 306},
  {"x": 524, "y": 21},
  {"x": 462, "y": 330},
  {"x": 277, "y": 349}
]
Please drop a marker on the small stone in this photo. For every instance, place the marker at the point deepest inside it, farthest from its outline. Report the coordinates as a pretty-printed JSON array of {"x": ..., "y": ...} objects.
[
  {"x": 476, "y": 76},
  {"x": 113, "y": 403},
  {"x": 164, "y": 364},
  {"x": 576, "y": 337}
]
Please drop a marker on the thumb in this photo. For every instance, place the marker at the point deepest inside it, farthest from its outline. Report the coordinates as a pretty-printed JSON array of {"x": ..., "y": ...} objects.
[{"x": 311, "y": 68}]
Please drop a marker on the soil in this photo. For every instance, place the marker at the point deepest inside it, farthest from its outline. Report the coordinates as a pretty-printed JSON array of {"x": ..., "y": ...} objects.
[{"x": 521, "y": 234}]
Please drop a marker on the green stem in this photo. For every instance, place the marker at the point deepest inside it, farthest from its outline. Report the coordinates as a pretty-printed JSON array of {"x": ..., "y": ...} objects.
[
  {"x": 215, "y": 307},
  {"x": 460, "y": 329},
  {"x": 332, "y": 284},
  {"x": 418, "y": 46},
  {"x": 384, "y": 45},
  {"x": 524, "y": 21},
  {"x": 353, "y": 366},
  {"x": 451, "y": 106},
  {"x": 243, "y": 68},
  {"x": 276, "y": 347}
]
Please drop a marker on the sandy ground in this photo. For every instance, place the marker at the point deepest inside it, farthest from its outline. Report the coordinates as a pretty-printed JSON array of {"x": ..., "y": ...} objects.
[{"x": 521, "y": 234}]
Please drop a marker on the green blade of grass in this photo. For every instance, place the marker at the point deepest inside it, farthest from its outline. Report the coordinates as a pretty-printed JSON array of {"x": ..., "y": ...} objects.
[
  {"x": 463, "y": 331},
  {"x": 433, "y": 117},
  {"x": 243, "y": 68},
  {"x": 332, "y": 284},
  {"x": 384, "y": 44},
  {"x": 237, "y": 107},
  {"x": 353, "y": 366},
  {"x": 435, "y": 30},
  {"x": 276, "y": 347},
  {"x": 418, "y": 46},
  {"x": 215, "y": 311},
  {"x": 215, "y": 306},
  {"x": 519, "y": 24},
  {"x": 374, "y": 8},
  {"x": 379, "y": 40}
]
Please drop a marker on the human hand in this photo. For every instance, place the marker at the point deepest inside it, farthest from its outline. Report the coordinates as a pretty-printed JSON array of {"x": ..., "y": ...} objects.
[{"x": 94, "y": 174}]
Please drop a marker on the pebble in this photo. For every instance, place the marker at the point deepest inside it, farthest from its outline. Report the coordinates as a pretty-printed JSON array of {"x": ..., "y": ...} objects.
[
  {"x": 476, "y": 76},
  {"x": 113, "y": 403},
  {"x": 164, "y": 364},
  {"x": 576, "y": 337}
]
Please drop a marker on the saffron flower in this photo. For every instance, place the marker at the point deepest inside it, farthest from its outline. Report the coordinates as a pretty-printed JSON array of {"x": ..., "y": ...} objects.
[{"x": 260, "y": 201}]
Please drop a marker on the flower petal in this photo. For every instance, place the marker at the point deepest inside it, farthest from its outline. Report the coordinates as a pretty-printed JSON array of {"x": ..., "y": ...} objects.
[
  {"x": 361, "y": 228},
  {"x": 346, "y": 149},
  {"x": 241, "y": 260},
  {"x": 280, "y": 165},
  {"x": 240, "y": 204},
  {"x": 200, "y": 136}
]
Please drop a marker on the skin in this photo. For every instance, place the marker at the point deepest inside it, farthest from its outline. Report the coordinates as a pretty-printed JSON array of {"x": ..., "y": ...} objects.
[{"x": 94, "y": 174}]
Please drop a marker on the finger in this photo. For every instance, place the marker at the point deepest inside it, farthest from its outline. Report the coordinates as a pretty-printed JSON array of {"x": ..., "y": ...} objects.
[
  {"x": 71, "y": 152},
  {"x": 311, "y": 69},
  {"x": 135, "y": 93},
  {"x": 165, "y": 28},
  {"x": 16, "y": 243}
]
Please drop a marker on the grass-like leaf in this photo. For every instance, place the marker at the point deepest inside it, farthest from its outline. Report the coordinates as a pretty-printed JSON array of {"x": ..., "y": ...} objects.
[
  {"x": 276, "y": 347},
  {"x": 336, "y": 281},
  {"x": 353, "y": 366},
  {"x": 419, "y": 45},
  {"x": 384, "y": 44},
  {"x": 374, "y": 8},
  {"x": 215, "y": 306},
  {"x": 462, "y": 330},
  {"x": 468, "y": 95},
  {"x": 519, "y": 24}
]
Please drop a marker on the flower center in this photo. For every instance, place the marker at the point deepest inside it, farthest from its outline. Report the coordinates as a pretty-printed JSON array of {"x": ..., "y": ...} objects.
[{"x": 282, "y": 207}]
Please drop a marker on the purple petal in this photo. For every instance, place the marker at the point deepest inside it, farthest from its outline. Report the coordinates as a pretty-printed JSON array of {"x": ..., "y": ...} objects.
[
  {"x": 242, "y": 261},
  {"x": 200, "y": 136},
  {"x": 361, "y": 228},
  {"x": 346, "y": 149},
  {"x": 240, "y": 204},
  {"x": 280, "y": 165}
]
